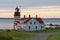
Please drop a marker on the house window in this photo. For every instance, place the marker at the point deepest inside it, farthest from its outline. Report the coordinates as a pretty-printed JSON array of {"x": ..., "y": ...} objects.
[
  {"x": 41, "y": 27},
  {"x": 29, "y": 27},
  {"x": 30, "y": 22},
  {"x": 36, "y": 27},
  {"x": 34, "y": 22}
]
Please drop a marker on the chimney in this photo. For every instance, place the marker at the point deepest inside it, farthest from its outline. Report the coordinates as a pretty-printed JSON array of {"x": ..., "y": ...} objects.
[
  {"x": 29, "y": 16},
  {"x": 24, "y": 16},
  {"x": 36, "y": 16}
]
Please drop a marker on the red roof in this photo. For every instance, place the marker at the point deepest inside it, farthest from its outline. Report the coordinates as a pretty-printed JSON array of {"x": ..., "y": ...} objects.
[
  {"x": 37, "y": 19},
  {"x": 23, "y": 18},
  {"x": 27, "y": 20}
]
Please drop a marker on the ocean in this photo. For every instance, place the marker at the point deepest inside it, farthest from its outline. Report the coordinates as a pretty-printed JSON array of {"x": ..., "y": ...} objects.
[{"x": 7, "y": 23}]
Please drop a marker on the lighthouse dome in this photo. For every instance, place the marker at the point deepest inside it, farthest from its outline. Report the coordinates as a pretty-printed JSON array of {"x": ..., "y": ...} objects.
[{"x": 17, "y": 9}]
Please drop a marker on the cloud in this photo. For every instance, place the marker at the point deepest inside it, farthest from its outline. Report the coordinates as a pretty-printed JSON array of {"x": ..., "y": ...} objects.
[
  {"x": 9, "y": 3},
  {"x": 28, "y": 3},
  {"x": 42, "y": 11}
]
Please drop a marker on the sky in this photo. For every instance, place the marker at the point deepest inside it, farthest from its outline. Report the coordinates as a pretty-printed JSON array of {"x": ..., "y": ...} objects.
[{"x": 42, "y": 8}]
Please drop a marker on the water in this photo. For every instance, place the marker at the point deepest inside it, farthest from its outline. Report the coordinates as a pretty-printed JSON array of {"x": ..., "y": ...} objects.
[
  {"x": 52, "y": 21},
  {"x": 8, "y": 23}
]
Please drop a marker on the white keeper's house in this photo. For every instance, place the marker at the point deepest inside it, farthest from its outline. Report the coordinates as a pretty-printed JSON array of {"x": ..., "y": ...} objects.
[{"x": 29, "y": 24}]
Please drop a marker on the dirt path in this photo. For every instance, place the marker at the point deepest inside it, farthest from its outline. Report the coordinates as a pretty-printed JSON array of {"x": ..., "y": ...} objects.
[{"x": 43, "y": 36}]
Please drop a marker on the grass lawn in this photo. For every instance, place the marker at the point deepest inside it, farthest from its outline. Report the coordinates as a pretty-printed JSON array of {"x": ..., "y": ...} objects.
[
  {"x": 54, "y": 37},
  {"x": 17, "y": 35},
  {"x": 14, "y": 35}
]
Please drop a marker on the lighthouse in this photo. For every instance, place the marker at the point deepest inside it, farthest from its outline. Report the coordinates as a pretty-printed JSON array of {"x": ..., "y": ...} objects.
[{"x": 16, "y": 18}]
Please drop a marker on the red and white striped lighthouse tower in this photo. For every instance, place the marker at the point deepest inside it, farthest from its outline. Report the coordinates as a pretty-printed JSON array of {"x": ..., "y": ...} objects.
[{"x": 16, "y": 18}]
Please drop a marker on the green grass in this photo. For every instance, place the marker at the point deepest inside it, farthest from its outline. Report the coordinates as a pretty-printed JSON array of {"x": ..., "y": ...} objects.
[
  {"x": 54, "y": 37},
  {"x": 15, "y": 35}
]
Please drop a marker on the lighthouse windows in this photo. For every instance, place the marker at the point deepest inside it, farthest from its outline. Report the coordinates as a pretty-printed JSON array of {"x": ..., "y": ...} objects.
[{"x": 17, "y": 14}]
